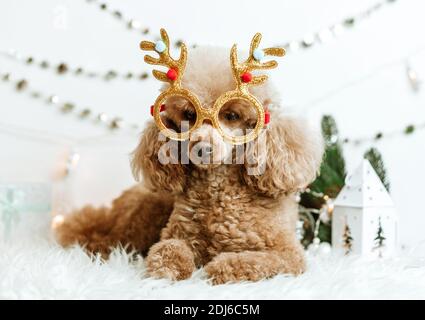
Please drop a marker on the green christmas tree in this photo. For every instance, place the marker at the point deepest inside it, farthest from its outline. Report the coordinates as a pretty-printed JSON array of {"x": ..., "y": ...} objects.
[
  {"x": 375, "y": 159},
  {"x": 332, "y": 171},
  {"x": 331, "y": 180},
  {"x": 379, "y": 239},
  {"x": 347, "y": 239}
]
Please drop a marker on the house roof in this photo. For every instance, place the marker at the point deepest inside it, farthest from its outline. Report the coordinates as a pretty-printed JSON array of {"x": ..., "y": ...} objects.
[{"x": 363, "y": 188}]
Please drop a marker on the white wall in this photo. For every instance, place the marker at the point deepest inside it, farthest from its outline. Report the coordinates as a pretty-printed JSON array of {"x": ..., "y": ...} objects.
[{"x": 80, "y": 33}]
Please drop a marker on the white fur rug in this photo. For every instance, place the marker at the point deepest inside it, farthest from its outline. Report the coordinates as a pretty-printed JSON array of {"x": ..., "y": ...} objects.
[{"x": 32, "y": 266}]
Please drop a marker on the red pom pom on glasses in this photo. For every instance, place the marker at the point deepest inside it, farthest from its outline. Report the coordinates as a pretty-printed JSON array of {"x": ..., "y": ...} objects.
[
  {"x": 172, "y": 74},
  {"x": 162, "y": 108},
  {"x": 266, "y": 117},
  {"x": 246, "y": 77}
]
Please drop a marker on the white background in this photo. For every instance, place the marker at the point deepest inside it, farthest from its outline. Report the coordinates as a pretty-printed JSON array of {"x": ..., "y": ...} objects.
[{"x": 367, "y": 62}]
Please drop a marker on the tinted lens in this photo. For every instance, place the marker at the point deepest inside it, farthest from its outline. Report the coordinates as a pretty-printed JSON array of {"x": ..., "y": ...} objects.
[
  {"x": 237, "y": 117},
  {"x": 178, "y": 114}
]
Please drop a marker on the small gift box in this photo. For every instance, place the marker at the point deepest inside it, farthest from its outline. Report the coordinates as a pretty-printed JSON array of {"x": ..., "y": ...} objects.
[{"x": 19, "y": 199}]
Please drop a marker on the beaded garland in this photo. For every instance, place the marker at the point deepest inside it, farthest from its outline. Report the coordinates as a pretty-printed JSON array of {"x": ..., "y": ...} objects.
[{"x": 65, "y": 68}]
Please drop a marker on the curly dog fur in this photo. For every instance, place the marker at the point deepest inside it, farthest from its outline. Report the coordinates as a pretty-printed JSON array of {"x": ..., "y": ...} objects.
[{"x": 238, "y": 226}]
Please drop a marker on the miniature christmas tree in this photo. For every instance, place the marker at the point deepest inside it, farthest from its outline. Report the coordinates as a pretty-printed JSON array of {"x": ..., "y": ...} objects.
[
  {"x": 347, "y": 240},
  {"x": 380, "y": 239}
]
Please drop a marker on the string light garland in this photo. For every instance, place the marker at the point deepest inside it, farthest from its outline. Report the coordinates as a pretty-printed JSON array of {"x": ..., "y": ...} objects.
[
  {"x": 413, "y": 78},
  {"x": 324, "y": 215},
  {"x": 310, "y": 40},
  {"x": 63, "y": 68},
  {"x": 57, "y": 139},
  {"x": 131, "y": 24},
  {"x": 414, "y": 82},
  {"x": 70, "y": 162},
  {"x": 307, "y": 42},
  {"x": 408, "y": 130},
  {"x": 335, "y": 30},
  {"x": 66, "y": 107}
]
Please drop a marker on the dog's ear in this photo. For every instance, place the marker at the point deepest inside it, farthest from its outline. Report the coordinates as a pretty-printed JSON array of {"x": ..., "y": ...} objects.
[
  {"x": 286, "y": 157},
  {"x": 146, "y": 164}
]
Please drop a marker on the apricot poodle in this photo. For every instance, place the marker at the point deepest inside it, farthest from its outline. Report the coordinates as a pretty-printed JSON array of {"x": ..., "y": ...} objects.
[{"x": 237, "y": 223}]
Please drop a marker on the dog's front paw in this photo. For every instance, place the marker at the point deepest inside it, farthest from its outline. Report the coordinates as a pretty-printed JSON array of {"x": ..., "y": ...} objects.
[
  {"x": 243, "y": 266},
  {"x": 171, "y": 259},
  {"x": 220, "y": 270},
  {"x": 235, "y": 267}
]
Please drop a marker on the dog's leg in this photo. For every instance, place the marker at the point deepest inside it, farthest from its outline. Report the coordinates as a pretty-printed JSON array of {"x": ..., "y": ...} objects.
[
  {"x": 134, "y": 220},
  {"x": 171, "y": 259},
  {"x": 254, "y": 265}
]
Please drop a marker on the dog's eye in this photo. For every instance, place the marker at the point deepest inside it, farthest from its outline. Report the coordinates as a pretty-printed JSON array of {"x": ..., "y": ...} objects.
[
  {"x": 189, "y": 115},
  {"x": 231, "y": 116}
]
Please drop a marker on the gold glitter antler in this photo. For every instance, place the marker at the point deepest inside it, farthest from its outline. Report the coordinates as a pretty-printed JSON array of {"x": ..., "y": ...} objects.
[
  {"x": 162, "y": 47},
  {"x": 241, "y": 71}
]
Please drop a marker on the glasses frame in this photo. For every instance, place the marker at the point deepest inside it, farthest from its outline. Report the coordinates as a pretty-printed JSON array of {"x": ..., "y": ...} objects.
[
  {"x": 211, "y": 114},
  {"x": 242, "y": 77}
]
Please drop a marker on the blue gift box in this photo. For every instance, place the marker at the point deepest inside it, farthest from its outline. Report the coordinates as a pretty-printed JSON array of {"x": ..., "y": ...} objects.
[{"x": 17, "y": 199}]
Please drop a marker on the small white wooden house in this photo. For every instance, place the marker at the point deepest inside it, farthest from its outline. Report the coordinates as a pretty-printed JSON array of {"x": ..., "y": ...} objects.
[{"x": 364, "y": 219}]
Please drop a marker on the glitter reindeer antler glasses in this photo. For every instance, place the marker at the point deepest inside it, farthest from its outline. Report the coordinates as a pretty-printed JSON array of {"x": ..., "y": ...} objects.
[{"x": 242, "y": 76}]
